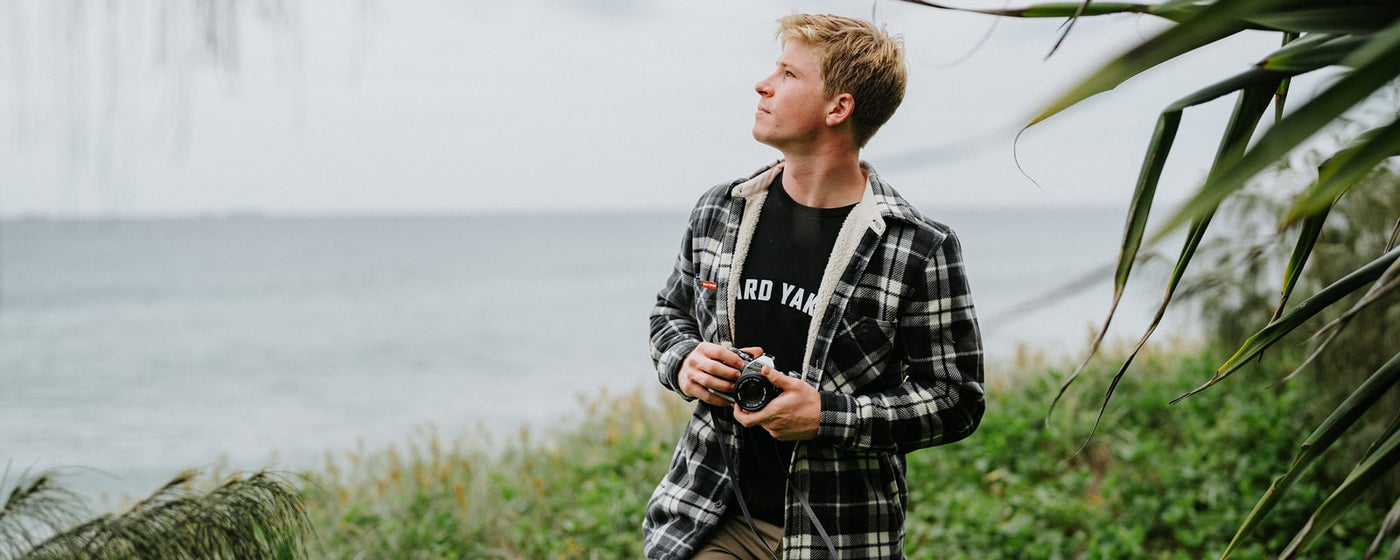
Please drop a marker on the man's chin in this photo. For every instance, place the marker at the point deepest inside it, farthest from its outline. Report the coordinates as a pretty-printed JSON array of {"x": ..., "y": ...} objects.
[{"x": 762, "y": 137}]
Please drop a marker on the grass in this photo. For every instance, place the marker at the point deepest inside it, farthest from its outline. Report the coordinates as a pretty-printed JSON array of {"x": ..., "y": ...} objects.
[{"x": 1158, "y": 481}]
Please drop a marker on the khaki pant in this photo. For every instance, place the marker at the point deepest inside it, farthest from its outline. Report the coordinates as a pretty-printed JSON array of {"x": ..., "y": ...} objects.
[{"x": 733, "y": 539}]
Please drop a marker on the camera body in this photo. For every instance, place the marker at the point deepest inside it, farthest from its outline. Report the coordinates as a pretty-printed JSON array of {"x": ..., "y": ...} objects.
[{"x": 752, "y": 391}]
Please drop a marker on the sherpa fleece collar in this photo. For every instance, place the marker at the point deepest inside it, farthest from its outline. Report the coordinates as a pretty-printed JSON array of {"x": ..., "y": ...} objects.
[
  {"x": 887, "y": 203},
  {"x": 878, "y": 203}
]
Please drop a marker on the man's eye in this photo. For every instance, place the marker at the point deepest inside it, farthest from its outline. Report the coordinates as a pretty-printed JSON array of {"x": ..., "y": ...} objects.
[{"x": 790, "y": 74}]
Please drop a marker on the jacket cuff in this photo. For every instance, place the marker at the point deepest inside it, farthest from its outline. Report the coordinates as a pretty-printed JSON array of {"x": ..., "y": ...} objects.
[
  {"x": 670, "y": 366},
  {"x": 839, "y": 419}
]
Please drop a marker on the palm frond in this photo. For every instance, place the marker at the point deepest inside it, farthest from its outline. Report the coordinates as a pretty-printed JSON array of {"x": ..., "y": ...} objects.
[
  {"x": 36, "y": 508},
  {"x": 1387, "y": 283},
  {"x": 1286, "y": 62},
  {"x": 260, "y": 516}
]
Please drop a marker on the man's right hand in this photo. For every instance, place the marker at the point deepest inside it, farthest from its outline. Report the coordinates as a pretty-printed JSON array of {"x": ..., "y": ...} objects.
[{"x": 711, "y": 366}]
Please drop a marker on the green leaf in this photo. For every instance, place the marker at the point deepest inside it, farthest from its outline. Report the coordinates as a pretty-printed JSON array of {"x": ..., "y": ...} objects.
[
  {"x": 1329, "y": 17},
  {"x": 1327, "y": 433},
  {"x": 1249, "y": 109},
  {"x": 1335, "y": 176},
  {"x": 1276, "y": 329},
  {"x": 1347, "y": 167},
  {"x": 1362, "y": 480},
  {"x": 1075, "y": 9},
  {"x": 1282, "y": 94},
  {"x": 1307, "y": 239},
  {"x": 1216, "y": 22},
  {"x": 1391, "y": 519},
  {"x": 1162, "y": 138},
  {"x": 1375, "y": 64},
  {"x": 1258, "y": 85},
  {"x": 1311, "y": 52}
]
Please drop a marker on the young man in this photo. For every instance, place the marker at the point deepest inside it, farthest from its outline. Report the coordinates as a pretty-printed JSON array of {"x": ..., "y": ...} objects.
[{"x": 818, "y": 263}]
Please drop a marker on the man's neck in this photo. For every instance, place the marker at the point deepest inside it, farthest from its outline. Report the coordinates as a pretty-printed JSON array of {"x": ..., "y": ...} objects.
[{"x": 825, "y": 180}]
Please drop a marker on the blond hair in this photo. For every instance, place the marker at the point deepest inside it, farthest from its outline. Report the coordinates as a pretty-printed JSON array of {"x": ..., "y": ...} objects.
[{"x": 855, "y": 57}]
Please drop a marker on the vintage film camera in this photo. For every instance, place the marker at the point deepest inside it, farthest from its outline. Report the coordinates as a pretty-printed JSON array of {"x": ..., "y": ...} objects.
[{"x": 752, "y": 391}]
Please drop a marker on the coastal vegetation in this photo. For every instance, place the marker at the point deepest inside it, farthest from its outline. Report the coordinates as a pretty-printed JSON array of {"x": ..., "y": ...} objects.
[
  {"x": 1158, "y": 481},
  {"x": 1292, "y": 453}
]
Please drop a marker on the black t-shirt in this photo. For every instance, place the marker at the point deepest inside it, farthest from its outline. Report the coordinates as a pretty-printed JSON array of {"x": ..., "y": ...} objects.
[{"x": 774, "y": 307}]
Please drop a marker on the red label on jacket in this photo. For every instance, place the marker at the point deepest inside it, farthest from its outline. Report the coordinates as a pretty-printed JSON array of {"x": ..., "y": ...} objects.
[{"x": 708, "y": 285}]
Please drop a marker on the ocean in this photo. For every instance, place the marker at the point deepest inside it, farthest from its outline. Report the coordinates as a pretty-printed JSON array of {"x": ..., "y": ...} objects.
[{"x": 133, "y": 349}]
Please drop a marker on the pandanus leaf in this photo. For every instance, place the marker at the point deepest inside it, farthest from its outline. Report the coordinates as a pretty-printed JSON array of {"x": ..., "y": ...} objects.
[
  {"x": 1311, "y": 52},
  {"x": 1074, "y": 9},
  {"x": 1281, "y": 94},
  {"x": 1374, "y": 64},
  {"x": 1307, "y": 239},
  {"x": 1339, "y": 173},
  {"x": 1362, "y": 480},
  {"x": 1259, "y": 86},
  {"x": 1249, "y": 110},
  {"x": 1330, "y": 17},
  {"x": 1276, "y": 329},
  {"x": 1391, "y": 519},
  {"x": 1215, "y": 22},
  {"x": 1388, "y": 282},
  {"x": 1138, "y": 212},
  {"x": 1328, "y": 432},
  {"x": 1346, "y": 168}
]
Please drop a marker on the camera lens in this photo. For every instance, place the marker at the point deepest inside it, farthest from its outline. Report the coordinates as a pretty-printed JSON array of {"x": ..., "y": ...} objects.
[{"x": 751, "y": 391}]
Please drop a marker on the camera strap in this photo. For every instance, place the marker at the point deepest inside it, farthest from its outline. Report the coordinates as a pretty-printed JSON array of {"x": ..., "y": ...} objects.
[
  {"x": 787, "y": 475},
  {"x": 807, "y": 507},
  {"x": 739, "y": 494}
]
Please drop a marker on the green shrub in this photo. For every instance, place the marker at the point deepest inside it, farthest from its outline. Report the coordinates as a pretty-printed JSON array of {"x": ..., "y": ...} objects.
[{"x": 1158, "y": 481}]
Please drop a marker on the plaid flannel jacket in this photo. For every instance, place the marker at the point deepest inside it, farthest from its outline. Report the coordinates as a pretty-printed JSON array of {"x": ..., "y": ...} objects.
[{"x": 894, "y": 350}]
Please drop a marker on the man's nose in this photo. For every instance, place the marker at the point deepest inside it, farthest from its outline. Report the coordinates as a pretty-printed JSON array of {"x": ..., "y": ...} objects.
[{"x": 762, "y": 87}]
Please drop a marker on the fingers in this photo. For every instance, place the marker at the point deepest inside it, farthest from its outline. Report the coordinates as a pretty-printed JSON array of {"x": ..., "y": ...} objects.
[
  {"x": 716, "y": 361},
  {"x": 780, "y": 379},
  {"x": 713, "y": 367},
  {"x": 750, "y": 419},
  {"x": 698, "y": 384},
  {"x": 795, "y": 414},
  {"x": 710, "y": 366},
  {"x": 752, "y": 351}
]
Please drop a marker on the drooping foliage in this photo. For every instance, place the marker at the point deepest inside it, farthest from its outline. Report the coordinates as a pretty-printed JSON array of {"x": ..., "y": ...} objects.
[
  {"x": 255, "y": 516},
  {"x": 1360, "y": 37}
]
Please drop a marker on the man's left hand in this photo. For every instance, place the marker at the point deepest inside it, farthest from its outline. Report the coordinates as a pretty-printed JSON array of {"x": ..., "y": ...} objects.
[{"x": 793, "y": 415}]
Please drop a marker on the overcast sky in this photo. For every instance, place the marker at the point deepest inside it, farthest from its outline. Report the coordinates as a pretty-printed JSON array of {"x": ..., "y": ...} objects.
[{"x": 121, "y": 109}]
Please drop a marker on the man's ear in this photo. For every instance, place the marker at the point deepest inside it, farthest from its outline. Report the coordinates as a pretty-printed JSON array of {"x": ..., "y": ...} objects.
[{"x": 842, "y": 107}]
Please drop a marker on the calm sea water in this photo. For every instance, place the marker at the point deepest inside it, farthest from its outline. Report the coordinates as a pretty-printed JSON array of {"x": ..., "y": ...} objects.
[{"x": 139, "y": 348}]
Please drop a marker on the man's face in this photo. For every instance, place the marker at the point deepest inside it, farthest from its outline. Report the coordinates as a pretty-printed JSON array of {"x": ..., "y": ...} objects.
[{"x": 791, "y": 109}]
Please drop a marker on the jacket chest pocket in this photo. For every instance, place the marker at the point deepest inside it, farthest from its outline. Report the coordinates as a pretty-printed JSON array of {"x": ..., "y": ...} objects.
[{"x": 861, "y": 353}]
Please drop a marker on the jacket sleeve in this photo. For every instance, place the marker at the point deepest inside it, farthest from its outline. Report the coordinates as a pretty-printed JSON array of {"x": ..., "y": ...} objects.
[
  {"x": 674, "y": 329},
  {"x": 939, "y": 348}
]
